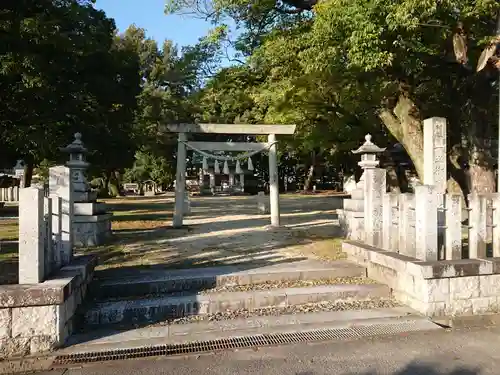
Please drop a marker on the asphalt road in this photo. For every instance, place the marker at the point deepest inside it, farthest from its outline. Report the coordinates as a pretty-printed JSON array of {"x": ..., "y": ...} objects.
[{"x": 460, "y": 352}]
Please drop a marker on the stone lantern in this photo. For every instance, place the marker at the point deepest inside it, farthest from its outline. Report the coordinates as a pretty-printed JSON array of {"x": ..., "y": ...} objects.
[
  {"x": 352, "y": 217},
  {"x": 373, "y": 189},
  {"x": 78, "y": 166},
  {"x": 91, "y": 221},
  {"x": 368, "y": 152}
]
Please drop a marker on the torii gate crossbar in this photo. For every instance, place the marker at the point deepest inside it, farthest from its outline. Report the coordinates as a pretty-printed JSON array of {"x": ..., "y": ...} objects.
[{"x": 180, "y": 176}]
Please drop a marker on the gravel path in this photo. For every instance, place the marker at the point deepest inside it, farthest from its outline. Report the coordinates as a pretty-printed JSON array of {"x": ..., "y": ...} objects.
[
  {"x": 270, "y": 285},
  {"x": 298, "y": 309},
  {"x": 288, "y": 284}
]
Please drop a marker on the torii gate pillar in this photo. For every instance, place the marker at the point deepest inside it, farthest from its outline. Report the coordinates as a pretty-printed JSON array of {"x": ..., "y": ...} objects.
[
  {"x": 180, "y": 181},
  {"x": 270, "y": 130},
  {"x": 274, "y": 195}
]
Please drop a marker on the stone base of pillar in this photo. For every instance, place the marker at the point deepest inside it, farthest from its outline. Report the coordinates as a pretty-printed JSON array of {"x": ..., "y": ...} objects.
[{"x": 91, "y": 230}]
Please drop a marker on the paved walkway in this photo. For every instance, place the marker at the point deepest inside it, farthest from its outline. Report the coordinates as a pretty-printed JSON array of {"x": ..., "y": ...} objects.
[{"x": 465, "y": 352}]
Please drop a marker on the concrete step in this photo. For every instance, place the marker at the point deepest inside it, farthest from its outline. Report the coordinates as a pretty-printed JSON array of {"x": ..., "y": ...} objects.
[
  {"x": 362, "y": 321},
  {"x": 195, "y": 280},
  {"x": 153, "y": 310}
]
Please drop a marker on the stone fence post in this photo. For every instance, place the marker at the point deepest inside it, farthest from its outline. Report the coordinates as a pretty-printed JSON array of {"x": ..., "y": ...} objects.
[
  {"x": 390, "y": 219},
  {"x": 48, "y": 240},
  {"x": 496, "y": 225},
  {"x": 61, "y": 186},
  {"x": 31, "y": 236},
  {"x": 453, "y": 235},
  {"x": 374, "y": 190},
  {"x": 427, "y": 201},
  {"x": 477, "y": 226}
]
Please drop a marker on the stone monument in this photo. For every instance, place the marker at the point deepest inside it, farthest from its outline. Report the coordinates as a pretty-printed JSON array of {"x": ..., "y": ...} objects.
[{"x": 91, "y": 221}]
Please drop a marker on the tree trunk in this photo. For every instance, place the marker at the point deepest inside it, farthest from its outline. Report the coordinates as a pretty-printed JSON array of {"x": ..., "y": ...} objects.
[
  {"x": 404, "y": 123},
  {"x": 392, "y": 179},
  {"x": 118, "y": 179},
  {"x": 28, "y": 174},
  {"x": 482, "y": 180},
  {"x": 312, "y": 169},
  {"x": 481, "y": 173},
  {"x": 309, "y": 178},
  {"x": 107, "y": 180}
]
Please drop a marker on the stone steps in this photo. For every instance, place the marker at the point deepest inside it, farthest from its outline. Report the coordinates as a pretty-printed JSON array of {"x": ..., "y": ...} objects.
[
  {"x": 195, "y": 280},
  {"x": 153, "y": 310},
  {"x": 182, "y": 296}
]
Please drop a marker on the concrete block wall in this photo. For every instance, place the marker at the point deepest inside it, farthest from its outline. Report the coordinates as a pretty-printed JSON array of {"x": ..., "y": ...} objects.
[{"x": 39, "y": 318}]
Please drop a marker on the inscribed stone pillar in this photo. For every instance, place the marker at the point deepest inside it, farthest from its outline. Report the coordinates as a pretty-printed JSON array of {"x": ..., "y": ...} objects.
[
  {"x": 435, "y": 153},
  {"x": 31, "y": 236},
  {"x": 274, "y": 196},
  {"x": 426, "y": 222},
  {"x": 375, "y": 188},
  {"x": 61, "y": 185},
  {"x": 180, "y": 181}
]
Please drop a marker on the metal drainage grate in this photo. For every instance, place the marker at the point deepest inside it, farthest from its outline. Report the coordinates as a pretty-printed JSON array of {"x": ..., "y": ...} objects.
[{"x": 267, "y": 339}]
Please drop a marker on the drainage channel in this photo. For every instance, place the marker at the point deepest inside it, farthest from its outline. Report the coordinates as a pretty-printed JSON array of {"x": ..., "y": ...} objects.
[{"x": 266, "y": 339}]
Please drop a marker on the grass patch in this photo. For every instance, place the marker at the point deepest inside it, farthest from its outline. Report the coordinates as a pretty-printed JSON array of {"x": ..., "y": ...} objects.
[
  {"x": 9, "y": 230},
  {"x": 135, "y": 221},
  {"x": 9, "y": 233},
  {"x": 324, "y": 249}
]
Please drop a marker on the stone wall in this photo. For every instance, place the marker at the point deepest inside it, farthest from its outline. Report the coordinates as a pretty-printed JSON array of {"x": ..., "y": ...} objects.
[
  {"x": 351, "y": 216},
  {"x": 39, "y": 317},
  {"x": 438, "y": 289}
]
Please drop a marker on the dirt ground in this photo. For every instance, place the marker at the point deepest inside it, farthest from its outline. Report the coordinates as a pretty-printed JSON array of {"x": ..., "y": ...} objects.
[{"x": 218, "y": 231}]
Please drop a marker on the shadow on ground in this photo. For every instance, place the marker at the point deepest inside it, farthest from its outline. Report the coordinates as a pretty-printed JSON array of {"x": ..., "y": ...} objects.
[
  {"x": 218, "y": 232},
  {"x": 415, "y": 368},
  {"x": 9, "y": 273},
  {"x": 10, "y": 210},
  {"x": 223, "y": 233}
]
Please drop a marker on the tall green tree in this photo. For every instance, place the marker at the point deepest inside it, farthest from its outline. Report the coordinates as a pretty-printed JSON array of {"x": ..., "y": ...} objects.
[
  {"x": 59, "y": 73},
  {"x": 379, "y": 64}
]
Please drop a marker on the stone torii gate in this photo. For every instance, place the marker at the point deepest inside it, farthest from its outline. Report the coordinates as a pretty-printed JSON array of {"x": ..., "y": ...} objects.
[{"x": 249, "y": 129}]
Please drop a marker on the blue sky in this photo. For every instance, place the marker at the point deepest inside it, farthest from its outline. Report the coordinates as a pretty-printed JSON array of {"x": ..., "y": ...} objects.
[{"x": 148, "y": 14}]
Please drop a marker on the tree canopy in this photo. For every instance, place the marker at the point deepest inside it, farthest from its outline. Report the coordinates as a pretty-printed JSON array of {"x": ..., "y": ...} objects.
[{"x": 338, "y": 69}]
